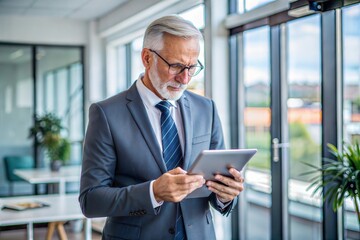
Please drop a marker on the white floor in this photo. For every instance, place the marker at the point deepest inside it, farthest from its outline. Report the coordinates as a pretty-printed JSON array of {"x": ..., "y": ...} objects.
[{"x": 40, "y": 233}]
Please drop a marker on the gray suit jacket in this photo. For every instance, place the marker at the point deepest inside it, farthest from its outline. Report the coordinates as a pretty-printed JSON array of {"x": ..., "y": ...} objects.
[{"x": 121, "y": 158}]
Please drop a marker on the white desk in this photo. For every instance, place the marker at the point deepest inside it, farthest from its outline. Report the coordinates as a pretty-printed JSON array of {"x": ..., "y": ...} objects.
[
  {"x": 62, "y": 208},
  {"x": 45, "y": 175}
]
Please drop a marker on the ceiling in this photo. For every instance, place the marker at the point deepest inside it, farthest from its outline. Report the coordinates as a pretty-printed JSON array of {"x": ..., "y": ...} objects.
[
  {"x": 70, "y": 9},
  {"x": 84, "y": 10}
]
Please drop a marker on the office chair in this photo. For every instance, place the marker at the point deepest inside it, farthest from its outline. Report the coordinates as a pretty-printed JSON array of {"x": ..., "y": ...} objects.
[{"x": 16, "y": 162}]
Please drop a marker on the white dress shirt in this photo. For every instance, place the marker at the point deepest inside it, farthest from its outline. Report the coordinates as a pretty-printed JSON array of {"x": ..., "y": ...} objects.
[{"x": 150, "y": 100}]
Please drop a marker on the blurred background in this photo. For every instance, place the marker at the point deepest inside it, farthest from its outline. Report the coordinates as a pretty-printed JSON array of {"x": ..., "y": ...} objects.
[{"x": 285, "y": 76}]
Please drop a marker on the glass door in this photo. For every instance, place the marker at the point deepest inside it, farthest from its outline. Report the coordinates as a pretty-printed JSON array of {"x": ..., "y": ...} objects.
[
  {"x": 281, "y": 116},
  {"x": 255, "y": 133},
  {"x": 302, "y": 130}
]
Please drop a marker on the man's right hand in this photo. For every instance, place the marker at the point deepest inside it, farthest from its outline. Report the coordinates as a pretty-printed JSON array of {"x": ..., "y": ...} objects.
[{"x": 175, "y": 185}]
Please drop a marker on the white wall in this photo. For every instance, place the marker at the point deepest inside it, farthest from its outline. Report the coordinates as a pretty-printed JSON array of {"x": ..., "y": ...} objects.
[
  {"x": 95, "y": 70},
  {"x": 42, "y": 30},
  {"x": 217, "y": 64},
  {"x": 131, "y": 11}
]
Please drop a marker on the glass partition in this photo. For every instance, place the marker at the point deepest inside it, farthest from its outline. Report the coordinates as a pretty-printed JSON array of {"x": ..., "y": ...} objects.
[{"x": 16, "y": 108}]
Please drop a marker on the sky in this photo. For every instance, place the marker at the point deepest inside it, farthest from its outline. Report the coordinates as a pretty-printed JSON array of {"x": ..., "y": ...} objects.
[{"x": 303, "y": 49}]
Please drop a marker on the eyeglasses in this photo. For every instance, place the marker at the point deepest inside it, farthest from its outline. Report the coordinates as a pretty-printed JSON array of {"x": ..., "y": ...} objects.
[{"x": 177, "y": 68}]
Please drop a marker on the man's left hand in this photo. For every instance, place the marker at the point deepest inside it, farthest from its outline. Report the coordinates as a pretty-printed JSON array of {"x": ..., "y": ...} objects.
[{"x": 227, "y": 188}]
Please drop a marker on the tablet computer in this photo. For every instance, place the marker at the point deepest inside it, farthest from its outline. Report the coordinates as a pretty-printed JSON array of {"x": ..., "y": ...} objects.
[{"x": 212, "y": 162}]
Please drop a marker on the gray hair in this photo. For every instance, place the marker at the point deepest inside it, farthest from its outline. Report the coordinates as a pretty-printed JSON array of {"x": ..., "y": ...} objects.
[{"x": 172, "y": 24}]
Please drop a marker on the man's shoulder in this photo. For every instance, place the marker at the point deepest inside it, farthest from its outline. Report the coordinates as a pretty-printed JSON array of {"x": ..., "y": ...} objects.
[
  {"x": 130, "y": 94},
  {"x": 121, "y": 96},
  {"x": 197, "y": 100},
  {"x": 115, "y": 101},
  {"x": 191, "y": 96}
]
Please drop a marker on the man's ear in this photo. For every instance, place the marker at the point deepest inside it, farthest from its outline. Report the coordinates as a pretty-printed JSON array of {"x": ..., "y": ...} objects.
[{"x": 145, "y": 57}]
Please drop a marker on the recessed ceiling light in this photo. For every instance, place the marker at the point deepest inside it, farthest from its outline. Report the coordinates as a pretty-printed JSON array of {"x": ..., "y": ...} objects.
[{"x": 300, "y": 12}]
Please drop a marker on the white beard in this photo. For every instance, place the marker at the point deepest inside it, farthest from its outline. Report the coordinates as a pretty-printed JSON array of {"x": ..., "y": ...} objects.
[{"x": 161, "y": 88}]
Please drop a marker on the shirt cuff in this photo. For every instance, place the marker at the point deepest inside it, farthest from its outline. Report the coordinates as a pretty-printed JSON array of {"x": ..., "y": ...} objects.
[
  {"x": 222, "y": 205},
  {"x": 154, "y": 203}
]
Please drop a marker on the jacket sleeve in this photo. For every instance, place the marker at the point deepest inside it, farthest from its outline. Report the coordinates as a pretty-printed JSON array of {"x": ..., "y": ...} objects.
[{"x": 98, "y": 197}]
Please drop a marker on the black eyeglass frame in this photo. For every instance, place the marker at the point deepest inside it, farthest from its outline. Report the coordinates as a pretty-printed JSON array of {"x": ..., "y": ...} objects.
[{"x": 201, "y": 67}]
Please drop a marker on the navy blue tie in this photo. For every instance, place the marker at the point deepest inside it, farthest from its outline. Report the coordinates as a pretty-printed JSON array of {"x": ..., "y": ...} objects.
[
  {"x": 170, "y": 139},
  {"x": 172, "y": 155}
]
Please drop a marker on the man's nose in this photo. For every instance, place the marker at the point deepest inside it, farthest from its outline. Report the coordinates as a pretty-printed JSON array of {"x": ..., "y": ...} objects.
[{"x": 183, "y": 77}]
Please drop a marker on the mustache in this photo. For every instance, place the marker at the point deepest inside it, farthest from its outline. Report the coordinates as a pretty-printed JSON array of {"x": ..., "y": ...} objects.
[{"x": 177, "y": 85}]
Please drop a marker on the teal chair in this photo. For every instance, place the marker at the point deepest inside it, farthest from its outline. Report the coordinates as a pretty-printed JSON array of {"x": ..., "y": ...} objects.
[{"x": 16, "y": 162}]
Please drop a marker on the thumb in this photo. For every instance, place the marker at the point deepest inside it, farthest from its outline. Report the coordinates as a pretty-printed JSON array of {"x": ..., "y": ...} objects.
[{"x": 177, "y": 170}]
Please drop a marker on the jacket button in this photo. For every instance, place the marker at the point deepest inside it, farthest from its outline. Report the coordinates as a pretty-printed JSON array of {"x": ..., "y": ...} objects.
[{"x": 171, "y": 230}]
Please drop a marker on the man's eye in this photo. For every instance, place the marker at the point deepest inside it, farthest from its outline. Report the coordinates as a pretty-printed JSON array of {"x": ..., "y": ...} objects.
[
  {"x": 193, "y": 69},
  {"x": 177, "y": 66}
]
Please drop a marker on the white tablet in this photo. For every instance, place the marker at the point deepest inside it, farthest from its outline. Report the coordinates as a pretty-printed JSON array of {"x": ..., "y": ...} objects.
[{"x": 212, "y": 162}]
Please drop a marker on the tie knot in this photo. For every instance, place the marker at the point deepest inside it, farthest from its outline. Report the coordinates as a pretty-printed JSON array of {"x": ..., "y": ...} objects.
[{"x": 163, "y": 106}]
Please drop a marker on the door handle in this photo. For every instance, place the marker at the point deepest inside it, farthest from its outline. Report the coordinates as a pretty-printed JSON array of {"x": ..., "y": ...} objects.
[{"x": 276, "y": 146}]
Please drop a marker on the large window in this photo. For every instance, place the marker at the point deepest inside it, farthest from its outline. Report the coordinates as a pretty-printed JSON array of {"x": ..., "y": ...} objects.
[
  {"x": 196, "y": 16},
  {"x": 304, "y": 65},
  {"x": 300, "y": 94},
  {"x": 116, "y": 80},
  {"x": 59, "y": 90},
  {"x": 124, "y": 65},
  {"x": 136, "y": 62},
  {"x": 351, "y": 98}
]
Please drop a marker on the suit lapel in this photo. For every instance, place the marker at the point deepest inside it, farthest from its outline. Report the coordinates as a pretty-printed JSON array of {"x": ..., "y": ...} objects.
[
  {"x": 186, "y": 117},
  {"x": 138, "y": 112}
]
